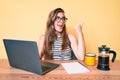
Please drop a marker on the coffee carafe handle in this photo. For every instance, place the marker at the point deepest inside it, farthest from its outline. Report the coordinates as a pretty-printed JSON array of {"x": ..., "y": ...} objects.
[{"x": 114, "y": 55}]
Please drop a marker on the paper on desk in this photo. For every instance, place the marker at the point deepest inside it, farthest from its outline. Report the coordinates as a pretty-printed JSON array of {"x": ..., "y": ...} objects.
[{"x": 75, "y": 67}]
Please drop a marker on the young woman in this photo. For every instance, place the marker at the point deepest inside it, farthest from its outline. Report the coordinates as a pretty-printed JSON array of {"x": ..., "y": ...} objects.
[{"x": 56, "y": 43}]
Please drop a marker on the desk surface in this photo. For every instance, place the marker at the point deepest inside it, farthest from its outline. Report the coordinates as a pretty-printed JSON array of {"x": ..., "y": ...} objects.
[{"x": 9, "y": 73}]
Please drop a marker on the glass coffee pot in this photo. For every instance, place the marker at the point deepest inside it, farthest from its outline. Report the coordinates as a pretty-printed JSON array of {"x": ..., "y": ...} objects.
[{"x": 103, "y": 57}]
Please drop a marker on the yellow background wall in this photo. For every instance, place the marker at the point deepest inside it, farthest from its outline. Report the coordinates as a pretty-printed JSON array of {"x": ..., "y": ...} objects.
[{"x": 26, "y": 20}]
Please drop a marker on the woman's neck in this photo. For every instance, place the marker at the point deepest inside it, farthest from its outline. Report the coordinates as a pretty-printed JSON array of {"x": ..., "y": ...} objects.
[{"x": 58, "y": 34}]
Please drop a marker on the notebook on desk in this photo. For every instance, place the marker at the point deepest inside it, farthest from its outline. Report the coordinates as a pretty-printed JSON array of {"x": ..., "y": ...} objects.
[{"x": 24, "y": 55}]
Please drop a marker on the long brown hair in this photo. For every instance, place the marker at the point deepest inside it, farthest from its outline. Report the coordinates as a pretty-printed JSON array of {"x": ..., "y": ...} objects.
[{"x": 50, "y": 35}]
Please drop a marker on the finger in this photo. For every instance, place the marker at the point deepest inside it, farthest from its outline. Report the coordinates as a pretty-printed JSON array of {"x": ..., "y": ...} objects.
[{"x": 82, "y": 24}]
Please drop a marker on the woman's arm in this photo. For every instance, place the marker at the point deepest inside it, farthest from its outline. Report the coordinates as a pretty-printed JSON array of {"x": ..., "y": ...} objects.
[
  {"x": 78, "y": 46},
  {"x": 40, "y": 44}
]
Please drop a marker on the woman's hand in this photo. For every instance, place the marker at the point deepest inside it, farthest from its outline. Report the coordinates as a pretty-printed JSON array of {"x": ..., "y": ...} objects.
[{"x": 78, "y": 28}]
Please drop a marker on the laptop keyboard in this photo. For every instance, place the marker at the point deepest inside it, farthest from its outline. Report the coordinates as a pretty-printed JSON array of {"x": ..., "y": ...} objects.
[{"x": 45, "y": 66}]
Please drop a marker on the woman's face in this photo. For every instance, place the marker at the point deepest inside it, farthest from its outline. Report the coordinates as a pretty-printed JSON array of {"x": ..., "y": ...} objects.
[{"x": 59, "y": 22}]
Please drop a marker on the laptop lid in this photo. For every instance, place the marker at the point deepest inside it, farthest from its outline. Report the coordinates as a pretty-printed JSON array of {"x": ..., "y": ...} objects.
[{"x": 24, "y": 55}]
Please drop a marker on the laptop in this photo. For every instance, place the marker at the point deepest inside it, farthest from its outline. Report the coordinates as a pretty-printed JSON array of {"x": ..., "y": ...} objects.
[{"x": 24, "y": 55}]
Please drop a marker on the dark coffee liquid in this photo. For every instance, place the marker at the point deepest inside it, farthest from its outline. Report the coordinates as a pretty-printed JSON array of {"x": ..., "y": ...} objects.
[{"x": 103, "y": 62}]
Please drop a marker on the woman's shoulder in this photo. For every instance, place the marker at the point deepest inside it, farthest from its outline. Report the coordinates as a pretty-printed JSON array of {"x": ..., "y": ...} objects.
[
  {"x": 42, "y": 37},
  {"x": 71, "y": 36}
]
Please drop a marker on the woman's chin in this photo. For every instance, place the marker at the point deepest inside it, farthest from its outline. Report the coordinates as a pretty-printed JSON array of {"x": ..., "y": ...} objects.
[{"x": 58, "y": 31}]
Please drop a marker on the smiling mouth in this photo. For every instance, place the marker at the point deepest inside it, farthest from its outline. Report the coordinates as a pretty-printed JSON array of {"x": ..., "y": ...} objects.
[{"x": 60, "y": 26}]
